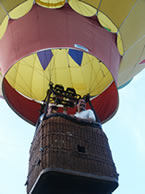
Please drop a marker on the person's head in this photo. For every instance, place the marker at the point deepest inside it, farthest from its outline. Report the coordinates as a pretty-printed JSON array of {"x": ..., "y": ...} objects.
[
  {"x": 81, "y": 105},
  {"x": 52, "y": 108}
]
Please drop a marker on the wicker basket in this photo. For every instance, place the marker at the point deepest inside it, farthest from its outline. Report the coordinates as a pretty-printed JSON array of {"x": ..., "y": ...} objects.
[{"x": 68, "y": 146}]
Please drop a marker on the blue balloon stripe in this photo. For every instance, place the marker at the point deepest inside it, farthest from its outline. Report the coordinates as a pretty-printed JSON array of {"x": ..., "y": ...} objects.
[
  {"x": 76, "y": 56},
  {"x": 45, "y": 58}
]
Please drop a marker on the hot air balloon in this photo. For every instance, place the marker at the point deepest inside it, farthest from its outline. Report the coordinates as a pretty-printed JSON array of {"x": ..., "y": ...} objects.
[{"x": 91, "y": 47}]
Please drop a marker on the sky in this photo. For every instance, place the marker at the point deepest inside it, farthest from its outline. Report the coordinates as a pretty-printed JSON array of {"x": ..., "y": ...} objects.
[{"x": 125, "y": 132}]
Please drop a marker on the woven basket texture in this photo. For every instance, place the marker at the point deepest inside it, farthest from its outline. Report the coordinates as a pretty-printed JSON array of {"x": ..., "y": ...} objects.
[{"x": 66, "y": 144}]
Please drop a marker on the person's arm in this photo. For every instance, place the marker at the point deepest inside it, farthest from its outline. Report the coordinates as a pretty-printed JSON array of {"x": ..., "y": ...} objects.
[
  {"x": 49, "y": 111},
  {"x": 91, "y": 116}
]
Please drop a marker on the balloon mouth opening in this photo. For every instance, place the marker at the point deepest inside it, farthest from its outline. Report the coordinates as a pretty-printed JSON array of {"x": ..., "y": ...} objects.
[
  {"x": 29, "y": 77},
  {"x": 73, "y": 68}
]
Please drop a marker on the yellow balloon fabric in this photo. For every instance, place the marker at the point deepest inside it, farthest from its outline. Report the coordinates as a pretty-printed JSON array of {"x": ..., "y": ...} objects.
[
  {"x": 51, "y": 3},
  {"x": 91, "y": 76},
  {"x": 82, "y": 8},
  {"x": 116, "y": 11},
  {"x": 21, "y": 9},
  {"x": 3, "y": 26},
  {"x": 13, "y": 9}
]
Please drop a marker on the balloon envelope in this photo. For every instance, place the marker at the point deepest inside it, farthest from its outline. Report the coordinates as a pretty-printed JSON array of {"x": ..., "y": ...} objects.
[{"x": 92, "y": 46}]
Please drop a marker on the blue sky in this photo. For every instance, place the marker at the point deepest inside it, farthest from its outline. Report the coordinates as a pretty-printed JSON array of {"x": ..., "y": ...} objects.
[{"x": 125, "y": 131}]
